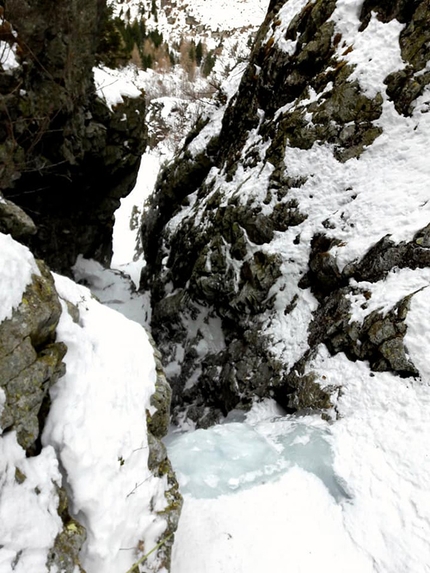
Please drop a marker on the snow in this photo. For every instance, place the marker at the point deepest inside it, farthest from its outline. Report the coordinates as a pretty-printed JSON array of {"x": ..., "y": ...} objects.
[
  {"x": 29, "y": 522},
  {"x": 112, "y": 86},
  {"x": 211, "y": 15},
  {"x": 265, "y": 491},
  {"x": 383, "y": 295},
  {"x": 114, "y": 288},
  {"x": 350, "y": 494},
  {"x": 283, "y": 20},
  {"x": 227, "y": 15},
  {"x": 17, "y": 266},
  {"x": 292, "y": 522},
  {"x": 380, "y": 445},
  {"x": 376, "y": 50},
  {"x": 418, "y": 335},
  {"x": 8, "y": 59},
  {"x": 253, "y": 499},
  {"x": 97, "y": 425}
]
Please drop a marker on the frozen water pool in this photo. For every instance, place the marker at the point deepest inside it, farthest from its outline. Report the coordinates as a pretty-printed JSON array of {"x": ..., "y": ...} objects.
[{"x": 229, "y": 457}]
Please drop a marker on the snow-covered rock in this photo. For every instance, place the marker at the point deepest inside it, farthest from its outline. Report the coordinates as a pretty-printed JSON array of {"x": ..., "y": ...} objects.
[
  {"x": 314, "y": 186},
  {"x": 85, "y": 480}
]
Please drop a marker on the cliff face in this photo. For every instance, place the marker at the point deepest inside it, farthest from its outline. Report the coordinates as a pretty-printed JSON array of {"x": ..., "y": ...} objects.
[
  {"x": 66, "y": 158},
  {"x": 259, "y": 242}
]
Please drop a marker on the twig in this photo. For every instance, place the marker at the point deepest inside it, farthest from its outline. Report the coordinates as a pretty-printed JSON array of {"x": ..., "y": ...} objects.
[
  {"x": 144, "y": 557},
  {"x": 138, "y": 485}
]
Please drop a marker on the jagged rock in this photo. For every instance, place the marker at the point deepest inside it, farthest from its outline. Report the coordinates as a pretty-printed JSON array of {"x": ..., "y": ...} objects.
[
  {"x": 379, "y": 340},
  {"x": 30, "y": 363},
  {"x": 65, "y": 553},
  {"x": 385, "y": 255},
  {"x": 158, "y": 422},
  {"x": 225, "y": 225},
  {"x": 160, "y": 466},
  {"x": 404, "y": 86},
  {"x": 14, "y": 221}
]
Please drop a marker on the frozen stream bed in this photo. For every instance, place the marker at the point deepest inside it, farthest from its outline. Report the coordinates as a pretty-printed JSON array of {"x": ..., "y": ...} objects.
[
  {"x": 234, "y": 456},
  {"x": 260, "y": 494}
]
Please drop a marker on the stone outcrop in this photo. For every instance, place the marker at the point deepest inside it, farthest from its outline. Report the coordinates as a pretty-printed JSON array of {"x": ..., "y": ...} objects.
[
  {"x": 217, "y": 263},
  {"x": 158, "y": 461},
  {"x": 66, "y": 159},
  {"x": 30, "y": 359},
  {"x": 30, "y": 363}
]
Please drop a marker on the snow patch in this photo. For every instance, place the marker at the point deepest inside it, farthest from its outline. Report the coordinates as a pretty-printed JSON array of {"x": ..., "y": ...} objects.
[
  {"x": 8, "y": 59},
  {"x": 97, "y": 425},
  {"x": 112, "y": 86},
  {"x": 29, "y": 522},
  {"x": 375, "y": 52},
  {"x": 17, "y": 265}
]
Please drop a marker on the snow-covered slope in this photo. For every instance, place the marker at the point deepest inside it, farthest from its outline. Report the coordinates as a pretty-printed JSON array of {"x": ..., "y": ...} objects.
[
  {"x": 176, "y": 18},
  {"x": 288, "y": 257},
  {"x": 95, "y": 441}
]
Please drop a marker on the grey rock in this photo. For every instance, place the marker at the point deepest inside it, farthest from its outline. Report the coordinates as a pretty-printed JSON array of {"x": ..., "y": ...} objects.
[
  {"x": 30, "y": 359},
  {"x": 212, "y": 276},
  {"x": 14, "y": 221}
]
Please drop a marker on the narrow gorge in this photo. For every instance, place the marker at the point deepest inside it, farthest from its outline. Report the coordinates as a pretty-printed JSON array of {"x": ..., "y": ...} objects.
[{"x": 285, "y": 259}]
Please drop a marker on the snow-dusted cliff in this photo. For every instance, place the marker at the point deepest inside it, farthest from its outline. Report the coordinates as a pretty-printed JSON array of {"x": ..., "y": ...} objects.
[
  {"x": 91, "y": 447},
  {"x": 288, "y": 259}
]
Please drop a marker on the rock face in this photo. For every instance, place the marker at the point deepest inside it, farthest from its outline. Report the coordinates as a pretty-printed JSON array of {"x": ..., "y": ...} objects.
[
  {"x": 65, "y": 162},
  {"x": 30, "y": 363},
  {"x": 244, "y": 272},
  {"x": 30, "y": 359},
  {"x": 158, "y": 462},
  {"x": 66, "y": 159}
]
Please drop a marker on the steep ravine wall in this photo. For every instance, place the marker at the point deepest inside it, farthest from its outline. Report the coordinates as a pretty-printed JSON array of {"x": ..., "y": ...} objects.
[
  {"x": 255, "y": 243},
  {"x": 66, "y": 159}
]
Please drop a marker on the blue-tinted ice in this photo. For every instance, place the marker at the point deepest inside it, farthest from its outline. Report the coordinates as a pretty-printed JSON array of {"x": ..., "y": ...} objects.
[{"x": 234, "y": 456}]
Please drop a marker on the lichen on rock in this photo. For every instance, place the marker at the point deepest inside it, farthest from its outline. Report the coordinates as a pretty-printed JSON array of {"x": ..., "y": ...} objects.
[
  {"x": 30, "y": 358},
  {"x": 31, "y": 362}
]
